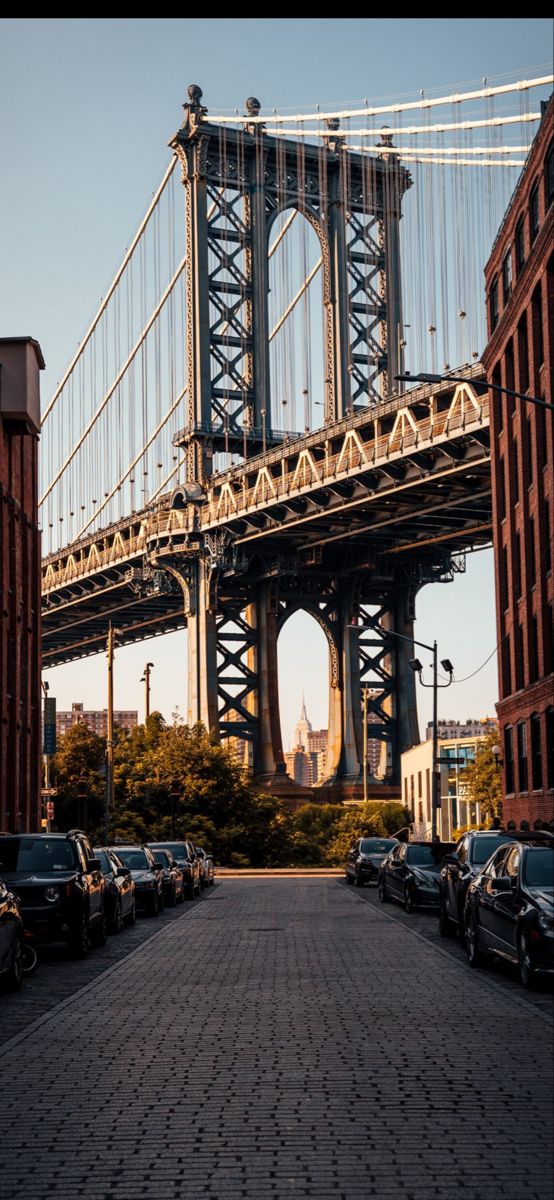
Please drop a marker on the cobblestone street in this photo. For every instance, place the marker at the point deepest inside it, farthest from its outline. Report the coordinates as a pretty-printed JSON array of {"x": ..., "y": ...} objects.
[{"x": 281, "y": 1038}]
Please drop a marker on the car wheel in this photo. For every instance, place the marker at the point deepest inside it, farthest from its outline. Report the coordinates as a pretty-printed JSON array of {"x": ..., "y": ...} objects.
[
  {"x": 173, "y": 897},
  {"x": 526, "y": 968},
  {"x": 408, "y": 901},
  {"x": 445, "y": 924},
  {"x": 29, "y": 954},
  {"x": 155, "y": 905},
  {"x": 350, "y": 880},
  {"x": 14, "y": 977},
  {"x": 117, "y": 922},
  {"x": 99, "y": 934},
  {"x": 474, "y": 955},
  {"x": 358, "y": 881},
  {"x": 79, "y": 943},
  {"x": 132, "y": 917},
  {"x": 382, "y": 892}
]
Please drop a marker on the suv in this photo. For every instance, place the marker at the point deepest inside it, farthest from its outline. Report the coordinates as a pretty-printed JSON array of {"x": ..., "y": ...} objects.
[
  {"x": 458, "y": 869},
  {"x": 186, "y": 858},
  {"x": 59, "y": 885},
  {"x": 147, "y": 872}
]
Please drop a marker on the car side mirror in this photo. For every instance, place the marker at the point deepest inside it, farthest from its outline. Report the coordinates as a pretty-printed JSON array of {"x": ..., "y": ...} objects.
[
  {"x": 503, "y": 884},
  {"x": 158, "y": 865},
  {"x": 452, "y": 859},
  {"x": 123, "y": 872},
  {"x": 94, "y": 864}
]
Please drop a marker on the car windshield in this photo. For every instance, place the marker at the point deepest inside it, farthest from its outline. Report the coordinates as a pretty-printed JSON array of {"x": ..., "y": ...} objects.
[
  {"x": 483, "y": 847},
  {"x": 136, "y": 860},
  {"x": 105, "y": 864},
  {"x": 376, "y": 845},
  {"x": 178, "y": 849},
  {"x": 424, "y": 856},
  {"x": 36, "y": 854},
  {"x": 539, "y": 867}
]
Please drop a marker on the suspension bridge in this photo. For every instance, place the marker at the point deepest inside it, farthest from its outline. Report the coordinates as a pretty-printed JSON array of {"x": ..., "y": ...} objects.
[{"x": 230, "y": 443}]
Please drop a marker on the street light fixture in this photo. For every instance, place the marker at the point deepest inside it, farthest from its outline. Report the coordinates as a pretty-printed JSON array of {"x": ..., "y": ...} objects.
[
  {"x": 146, "y": 680},
  {"x": 482, "y": 385},
  {"x": 418, "y": 669}
]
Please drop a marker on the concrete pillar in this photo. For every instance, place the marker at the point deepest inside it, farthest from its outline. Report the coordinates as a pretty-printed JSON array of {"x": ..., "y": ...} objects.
[
  {"x": 268, "y": 757},
  {"x": 202, "y": 657},
  {"x": 401, "y": 705}
]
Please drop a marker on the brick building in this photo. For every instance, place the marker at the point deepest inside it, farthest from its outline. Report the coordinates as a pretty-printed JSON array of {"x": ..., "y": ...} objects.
[
  {"x": 520, "y": 285},
  {"x": 20, "y": 748},
  {"x": 95, "y": 719}
]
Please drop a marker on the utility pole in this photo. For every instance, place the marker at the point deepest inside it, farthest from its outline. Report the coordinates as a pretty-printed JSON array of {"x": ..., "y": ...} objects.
[
  {"x": 364, "y": 710},
  {"x": 146, "y": 680},
  {"x": 435, "y": 794},
  {"x": 109, "y": 744}
]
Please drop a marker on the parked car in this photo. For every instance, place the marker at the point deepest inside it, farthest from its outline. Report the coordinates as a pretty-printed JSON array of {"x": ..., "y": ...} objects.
[
  {"x": 147, "y": 874},
  {"x": 365, "y": 858},
  {"x": 206, "y": 867},
  {"x": 509, "y": 909},
  {"x": 60, "y": 887},
  {"x": 11, "y": 941},
  {"x": 186, "y": 858},
  {"x": 119, "y": 892},
  {"x": 458, "y": 869},
  {"x": 173, "y": 878},
  {"x": 410, "y": 874}
]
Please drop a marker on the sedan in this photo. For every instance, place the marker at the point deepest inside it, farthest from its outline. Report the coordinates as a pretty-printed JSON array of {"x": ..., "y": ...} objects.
[
  {"x": 509, "y": 909},
  {"x": 459, "y": 868},
  {"x": 11, "y": 938},
  {"x": 119, "y": 892},
  {"x": 410, "y": 874},
  {"x": 147, "y": 873},
  {"x": 186, "y": 858},
  {"x": 365, "y": 858},
  {"x": 173, "y": 878}
]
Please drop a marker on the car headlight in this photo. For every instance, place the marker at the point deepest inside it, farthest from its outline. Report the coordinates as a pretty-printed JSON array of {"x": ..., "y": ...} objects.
[
  {"x": 51, "y": 894},
  {"x": 546, "y": 922}
]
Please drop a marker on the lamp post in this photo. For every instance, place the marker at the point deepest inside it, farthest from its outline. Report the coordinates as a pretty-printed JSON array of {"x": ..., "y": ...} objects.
[
  {"x": 418, "y": 668},
  {"x": 146, "y": 680},
  {"x": 478, "y": 384}
]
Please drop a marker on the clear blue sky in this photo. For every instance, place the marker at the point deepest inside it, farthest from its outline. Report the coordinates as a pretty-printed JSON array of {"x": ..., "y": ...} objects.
[{"x": 87, "y": 107}]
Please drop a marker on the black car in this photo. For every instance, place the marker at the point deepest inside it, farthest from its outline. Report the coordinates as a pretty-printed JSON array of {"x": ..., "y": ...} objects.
[
  {"x": 11, "y": 940},
  {"x": 410, "y": 874},
  {"x": 59, "y": 885},
  {"x": 119, "y": 892},
  {"x": 186, "y": 858},
  {"x": 458, "y": 869},
  {"x": 365, "y": 858},
  {"x": 509, "y": 909},
  {"x": 173, "y": 878},
  {"x": 147, "y": 873}
]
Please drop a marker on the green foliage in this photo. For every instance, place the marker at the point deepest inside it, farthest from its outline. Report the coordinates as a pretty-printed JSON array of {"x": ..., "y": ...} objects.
[
  {"x": 483, "y": 778},
  {"x": 77, "y": 771}
]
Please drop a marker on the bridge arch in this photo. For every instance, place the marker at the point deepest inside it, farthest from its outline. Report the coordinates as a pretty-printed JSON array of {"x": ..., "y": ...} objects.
[{"x": 299, "y": 646}]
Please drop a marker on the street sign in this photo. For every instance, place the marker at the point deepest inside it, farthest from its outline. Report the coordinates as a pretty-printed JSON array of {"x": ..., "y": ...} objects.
[
  {"x": 50, "y": 791},
  {"x": 49, "y": 725},
  {"x": 451, "y": 762}
]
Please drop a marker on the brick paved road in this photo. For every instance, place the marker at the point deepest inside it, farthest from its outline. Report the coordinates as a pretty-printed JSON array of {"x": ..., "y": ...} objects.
[{"x": 323, "y": 1051}]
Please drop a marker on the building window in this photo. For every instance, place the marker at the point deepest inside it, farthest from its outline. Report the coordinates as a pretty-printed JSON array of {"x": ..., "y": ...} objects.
[
  {"x": 533, "y": 650},
  {"x": 540, "y": 436},
  {"x": 420, "y": 811},
  {"x": 549, "y": 177},
  {"x": 510, "y": 373},
  {"x": 536, "y": 751},
  {"x": 519, "y": 243},
  {"x": 519, "y": 656},
  {"x": 493, "y": 304},
  {"x": 548, "y": 637},
  {"x": 509, "y": 758},
  {"x": 523, "y": 354},
  {"x": 428, "y": 792},
  {"x": 516, "y": 566},
  {"x": 497, "y": 398},
  {"x": 419, "y": 785},
  {"x": 507, "y": 277},
  {"x": 548, "y": 537},
  {"x": 506, "y": 667},
  {"x": 501, "y": 490},
  {"x": 531, "y": 553},
  {"x": 522, "y": 756},
  {"x": 534, "y": 219},
  {"x": 550, "y": 747},
  {"x": 536, "y": 318}
]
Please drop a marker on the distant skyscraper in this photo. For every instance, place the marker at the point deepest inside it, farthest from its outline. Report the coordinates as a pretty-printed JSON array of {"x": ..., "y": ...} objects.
[
  {"x": 305, "y": 763},
  {"x": 95, "y": 719}
]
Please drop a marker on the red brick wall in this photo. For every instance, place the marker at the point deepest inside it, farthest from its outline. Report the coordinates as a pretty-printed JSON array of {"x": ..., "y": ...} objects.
[
  {"x": 520, "y": 356},
  {"x": 19, "y": 630}
]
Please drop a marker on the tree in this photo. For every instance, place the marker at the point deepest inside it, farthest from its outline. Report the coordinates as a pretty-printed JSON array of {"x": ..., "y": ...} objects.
[
  {"x": 77, "y": 771},
  {"x": 483, "y": 779}
]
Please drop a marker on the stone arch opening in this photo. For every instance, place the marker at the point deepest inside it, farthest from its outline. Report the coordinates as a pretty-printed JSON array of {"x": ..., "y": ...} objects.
[{"x": 307, "y": 666}]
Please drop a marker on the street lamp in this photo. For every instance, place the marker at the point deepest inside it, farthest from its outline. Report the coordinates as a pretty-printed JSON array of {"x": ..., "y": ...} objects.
[
  {"x": 146, "y": 680},
  {"x": 417, "y": 668},
  {"x": 478, "y": 384}
]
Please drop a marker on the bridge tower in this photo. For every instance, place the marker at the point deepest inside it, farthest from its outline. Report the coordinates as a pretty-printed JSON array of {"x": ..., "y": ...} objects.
[{"x": 237, "y": 181}]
